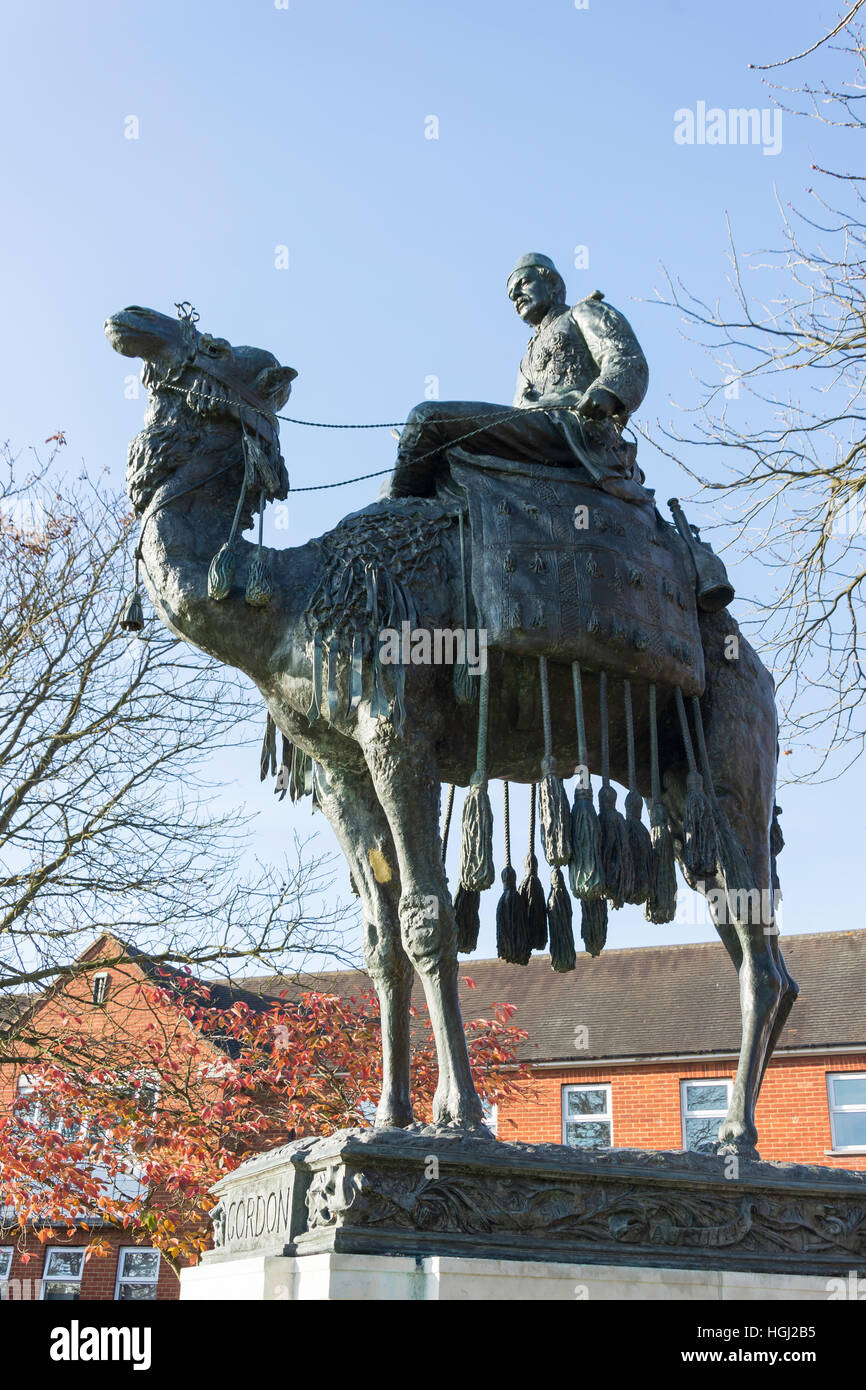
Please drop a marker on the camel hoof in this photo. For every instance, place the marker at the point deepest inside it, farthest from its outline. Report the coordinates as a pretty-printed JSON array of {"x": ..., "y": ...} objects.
[
  {"x": 737, "y": 1139},
  {"x": 393, "y": 1116}
]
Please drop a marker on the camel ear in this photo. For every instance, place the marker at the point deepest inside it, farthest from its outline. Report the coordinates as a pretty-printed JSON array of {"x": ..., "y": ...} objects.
[{"x": 275, "y": 384}]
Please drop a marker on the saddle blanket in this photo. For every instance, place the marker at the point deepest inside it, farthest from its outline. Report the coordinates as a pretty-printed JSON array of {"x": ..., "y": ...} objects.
[{"x": 562, "y": 569}]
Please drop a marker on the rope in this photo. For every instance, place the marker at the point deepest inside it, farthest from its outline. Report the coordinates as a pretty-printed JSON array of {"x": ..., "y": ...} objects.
[
  {"x": 483, "y": 706},
  {"x": 582, "y": 757},
  {"x": 629, "y": 736},
  {"x": 605, "y": 752},
  {"x": 380, "y": 425},
  {"x": 684, "y": 729},
  {"x": 532, "y": 818},
  {"x": 449, "y": 807},
  {"x": 654, "y": 748},
  {"x": 506, "y": 819}
]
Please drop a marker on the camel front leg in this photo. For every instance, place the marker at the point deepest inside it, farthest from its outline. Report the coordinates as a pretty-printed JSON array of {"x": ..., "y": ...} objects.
[
  {"x": 349, "y": 803},
  {"x": 406, "y": 779}
]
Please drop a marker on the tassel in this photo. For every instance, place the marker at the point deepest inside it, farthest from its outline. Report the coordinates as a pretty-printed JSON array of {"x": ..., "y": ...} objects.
[
  {"x": 132, "y": 615},
  {"x": 615, "y": 861},
  {"x": 221, "y": 573},
  {"x": 661, "y": 903},
  {"x": 259, "y": 588},
  {"x": 468, "y": 920},
  {"x": 562, "y": 956},
  {"x": 477, "y": 870},
  {"x": 512, "y": 943},
  {"x": 640, "y": 849},
  {"x": 554, "y": 815},
  {"x": 584, "y": 871},
  {"x": 553, "y": 809},
  {"x": 534, "y": 905},
  {"x": 615, "y": 855},
  {"x": 699, "y": 831},
  {"x": 593, "y": 924},
  {"x": 511, "y": 937},
  {"x": 531, "y": 890}
]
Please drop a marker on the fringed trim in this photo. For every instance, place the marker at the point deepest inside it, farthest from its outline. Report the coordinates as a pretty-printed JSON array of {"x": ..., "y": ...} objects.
[{"x": 562, "y": 957}]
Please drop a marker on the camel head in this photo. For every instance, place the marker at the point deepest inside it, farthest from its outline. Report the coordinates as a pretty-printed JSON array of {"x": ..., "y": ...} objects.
[{"x": 204, "y": 394}]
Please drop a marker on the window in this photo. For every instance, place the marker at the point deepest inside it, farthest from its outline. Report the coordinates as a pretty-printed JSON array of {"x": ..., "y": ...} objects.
[
  {"x": 28, "y": 1107},
  {"x": 587, "y": 1122},
  {"x": 100, "y": 987},
  {"x": 61, "y": 1279},
  {"x": 137, "y": 1274},
  {"x": 490, "y": 1115},
  {"x": 846, "y": 1091},
  {"x": 5, "y": 1262},
  {"x": 704, "y": 1105}
]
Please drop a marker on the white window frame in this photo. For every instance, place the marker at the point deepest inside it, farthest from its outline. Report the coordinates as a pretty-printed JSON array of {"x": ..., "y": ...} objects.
[
  {"x": 47, "y": 1277},
  {"x": 99, "y": 993},
  {"x": 490, "y": 1116},
  {"x": 598, "y": 1117},
  {"x": 687, "y": 1114},
  {"x": 128, "y": 1279},
  {"x": 833, "y": 1076},
  {"x": 6, "y": 1255}
]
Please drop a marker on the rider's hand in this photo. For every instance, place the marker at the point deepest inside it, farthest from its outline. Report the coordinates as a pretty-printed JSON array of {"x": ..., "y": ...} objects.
[{"x": 598, "y": 403}]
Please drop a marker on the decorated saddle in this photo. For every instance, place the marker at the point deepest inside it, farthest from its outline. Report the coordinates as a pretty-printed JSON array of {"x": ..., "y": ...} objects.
[{"x": 563, "y": 570}]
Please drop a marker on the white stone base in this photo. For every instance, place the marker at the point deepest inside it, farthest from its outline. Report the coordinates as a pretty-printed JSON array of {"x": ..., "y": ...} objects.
[{"x": 402, "y": 1278}]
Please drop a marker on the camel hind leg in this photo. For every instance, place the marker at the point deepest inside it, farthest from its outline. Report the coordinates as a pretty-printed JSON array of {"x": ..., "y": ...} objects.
[{"x": 739, "y": 719}]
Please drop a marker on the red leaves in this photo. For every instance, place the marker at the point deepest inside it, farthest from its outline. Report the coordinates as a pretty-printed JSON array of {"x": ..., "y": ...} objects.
[{"x": 307, "y": 1066}]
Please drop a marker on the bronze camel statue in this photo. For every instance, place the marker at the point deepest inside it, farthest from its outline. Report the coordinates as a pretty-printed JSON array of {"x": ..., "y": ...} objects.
[{"x": 380, "y": 785}]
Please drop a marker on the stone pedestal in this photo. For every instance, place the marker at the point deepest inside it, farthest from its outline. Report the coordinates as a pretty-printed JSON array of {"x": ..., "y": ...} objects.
[
  {"x": 402, "y": 1278},
  {"x": 418, "y": 1215}
]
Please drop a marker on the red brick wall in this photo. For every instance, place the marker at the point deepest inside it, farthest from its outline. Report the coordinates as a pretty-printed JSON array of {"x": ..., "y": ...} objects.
[
  {"x": 793, "y": 1113},
  {"x": 100, "y": 1272}
]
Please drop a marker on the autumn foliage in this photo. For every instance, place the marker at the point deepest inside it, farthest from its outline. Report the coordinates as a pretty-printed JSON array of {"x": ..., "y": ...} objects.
[{"x": 136, "y": 1124}]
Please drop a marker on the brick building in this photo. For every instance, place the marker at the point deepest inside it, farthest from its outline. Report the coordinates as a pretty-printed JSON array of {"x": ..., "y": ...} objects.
[{"x": 103, "y": 992}]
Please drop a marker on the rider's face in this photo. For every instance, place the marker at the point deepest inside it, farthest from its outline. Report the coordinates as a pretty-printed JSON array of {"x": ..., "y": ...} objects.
[{"x": 531, "y": 295}]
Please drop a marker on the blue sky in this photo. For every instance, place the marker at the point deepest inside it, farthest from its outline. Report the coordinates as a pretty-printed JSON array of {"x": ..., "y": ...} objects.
[{"x": 305, "y": 127}]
